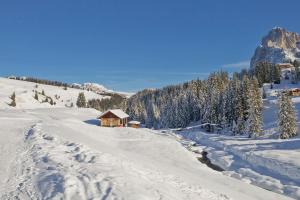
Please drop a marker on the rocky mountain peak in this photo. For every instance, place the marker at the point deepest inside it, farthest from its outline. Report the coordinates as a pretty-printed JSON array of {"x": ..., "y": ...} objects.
[{"x": 278, "y": 46}]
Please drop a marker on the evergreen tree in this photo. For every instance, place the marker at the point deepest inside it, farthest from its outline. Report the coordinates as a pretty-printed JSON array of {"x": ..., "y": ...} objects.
[
  {"x": 36, "y": 96},
  {"x": 296, "y": 74},
  {"x": 13, "y": 96},
  {"x": 51, "y": 102},
  {"x": 254, "y": 122},
  {"x": 276, "y": 74},
  {"x": 287, "y": 120},
  {"x": 81, "y": 102},
  {"x": 43, "y": 92},
  {"x": 13, "y": 100},
  {"x": 245, "y": 97}
]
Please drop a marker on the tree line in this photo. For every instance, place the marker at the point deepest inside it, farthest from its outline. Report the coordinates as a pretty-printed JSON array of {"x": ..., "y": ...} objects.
[
  {"x": 234, "y": 103},
  {"x": 114, "y": 101}
]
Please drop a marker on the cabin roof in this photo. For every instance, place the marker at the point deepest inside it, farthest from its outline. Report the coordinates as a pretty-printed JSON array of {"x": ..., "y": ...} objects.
[
  {"x": 118, "y": 112},
  {"x": 134, "y": 122}
]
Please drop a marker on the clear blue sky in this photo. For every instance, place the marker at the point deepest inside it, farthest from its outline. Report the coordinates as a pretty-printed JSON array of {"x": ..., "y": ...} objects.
[{"x": 135, "y": 44}]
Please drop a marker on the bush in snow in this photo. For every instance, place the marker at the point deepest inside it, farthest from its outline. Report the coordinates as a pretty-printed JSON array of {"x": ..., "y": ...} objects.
[
  {"x": 81, "y": 102},
  {"x": 287, "y": 121}
]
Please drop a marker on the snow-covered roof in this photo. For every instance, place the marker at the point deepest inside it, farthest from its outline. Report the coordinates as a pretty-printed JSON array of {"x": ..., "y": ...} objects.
[
  {"x": 134, "y": 122},
  {"x": 118, "y": 112}
]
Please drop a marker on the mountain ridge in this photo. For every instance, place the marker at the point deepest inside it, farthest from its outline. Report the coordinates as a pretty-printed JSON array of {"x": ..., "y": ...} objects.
[{"x": 278, "y": 46}]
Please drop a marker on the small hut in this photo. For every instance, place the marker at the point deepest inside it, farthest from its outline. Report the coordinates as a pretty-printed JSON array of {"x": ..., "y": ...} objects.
[
  {"x": 114, "y": 118},
  {"x": 295, "y": 92},
  {"x": 285, "y": 65},
  {"x": 134, "y": 124}
]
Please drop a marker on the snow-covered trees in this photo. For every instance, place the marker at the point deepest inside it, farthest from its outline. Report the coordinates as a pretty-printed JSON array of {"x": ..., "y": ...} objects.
[
  {"x": 267, "y": 73},
  {"x": 286, "y": 117},
  {"x": 254, "y": 121},
  {"x": 115, "y": 101},
  {"x": 219, "y": 100},
  {"x": 81, "y": 102}
]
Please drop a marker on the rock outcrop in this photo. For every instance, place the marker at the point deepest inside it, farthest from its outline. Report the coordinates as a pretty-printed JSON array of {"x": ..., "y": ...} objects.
[{"x": 279, "y": 46}]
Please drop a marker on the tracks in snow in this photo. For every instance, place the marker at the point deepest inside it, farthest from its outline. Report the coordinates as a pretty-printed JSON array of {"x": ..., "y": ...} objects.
[
  {"x": 47, "y": 168},
  {"x": 50, "y": 168}
]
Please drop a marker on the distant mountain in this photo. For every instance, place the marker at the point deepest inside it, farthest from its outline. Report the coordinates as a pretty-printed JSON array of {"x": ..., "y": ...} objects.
[
  {"x": 95, "y": 87},
  {"x": 99, "y": 89},
  {"x": 279, "y": 46}
]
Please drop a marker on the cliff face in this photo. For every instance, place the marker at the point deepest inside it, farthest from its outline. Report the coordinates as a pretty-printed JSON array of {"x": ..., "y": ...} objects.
[{"x": 278, "y": 46}]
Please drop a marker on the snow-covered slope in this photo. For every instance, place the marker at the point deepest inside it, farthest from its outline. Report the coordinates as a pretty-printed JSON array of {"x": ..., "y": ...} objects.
[
  {"x": 61, "y": 153},
  {"x": 25, "y": 92},
  {"x": 272, "y": 164},
  {"x": 267, "y": 161},
  {"x": 99, "y": 89}
]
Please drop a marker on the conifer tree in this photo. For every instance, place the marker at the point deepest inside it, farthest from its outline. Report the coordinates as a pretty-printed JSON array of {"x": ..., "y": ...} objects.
[
  {"x": 287, "y": 120},
  {"x": 36, "y": 96},
  {"x": 276, "y": 73},
  {"x": 43, "y": 92},
  {"x": 81, "y": 101},
  {"x": 13, "y": 100},
  {"x": 245, "y": 96},
  {"x": 254, "y": 122},
  {"x": 51, "y": 102}
]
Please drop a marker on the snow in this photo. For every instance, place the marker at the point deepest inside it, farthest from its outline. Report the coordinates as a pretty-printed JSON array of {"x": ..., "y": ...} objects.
[
  {"x": 134, "y": 122},
  {"x": 267, "y": 161},
  {"x": 55, "y": 153},
  {"x": 272, "y": 164},
  {"x": 25, "y": 92}
]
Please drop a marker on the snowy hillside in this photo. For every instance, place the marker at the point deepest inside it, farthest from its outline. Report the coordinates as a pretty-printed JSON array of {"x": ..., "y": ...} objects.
[
  {"x": 99, "y": 89},
  {"x": 267, "y": 161},
  {"x": 25, "y": 92},
  {"x": 54, "y": 152},
  {"x": 60, "y": 153}
]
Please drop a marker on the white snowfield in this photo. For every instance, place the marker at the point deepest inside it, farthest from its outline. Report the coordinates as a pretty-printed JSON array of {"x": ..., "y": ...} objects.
[
  {"x": 61, "y": 153},
  {"x": 54, "y": 152},
  {"x": 25, "y": 92},
  {"x": 272, "y": 164}
]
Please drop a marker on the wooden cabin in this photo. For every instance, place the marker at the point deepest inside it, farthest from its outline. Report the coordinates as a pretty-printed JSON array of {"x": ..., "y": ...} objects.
[
  {"x": 134, "y": 124},
  {"x": 114, "y": 118},
  {"x": 285, "y": 65},
  {"x": 295, "y": 92}
]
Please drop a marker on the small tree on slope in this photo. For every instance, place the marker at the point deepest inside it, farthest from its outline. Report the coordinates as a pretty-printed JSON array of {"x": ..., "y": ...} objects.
[
  {"x": 81, "y": 102},
  {"x": 286, "y": 117},
  {"x": 13, "y": 100},
  {"x": 36, "y": 96}
]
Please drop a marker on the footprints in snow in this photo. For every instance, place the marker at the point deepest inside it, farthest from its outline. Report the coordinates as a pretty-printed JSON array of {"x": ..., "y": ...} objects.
[
  {"x": 79, "y": 154},
  {"x": 64, "y": 169}
]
